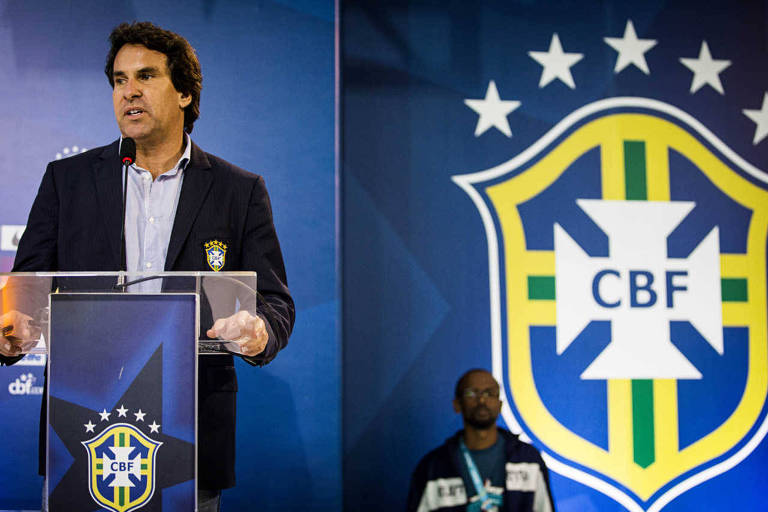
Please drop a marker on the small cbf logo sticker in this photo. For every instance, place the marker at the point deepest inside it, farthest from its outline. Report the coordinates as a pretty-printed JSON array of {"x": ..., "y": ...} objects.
[
  {"x": 121, "y": 467},
  {"x": 25, "y": 385},
  {"x": 215, "y": 254},
  {"x": 628, "y": 295}
]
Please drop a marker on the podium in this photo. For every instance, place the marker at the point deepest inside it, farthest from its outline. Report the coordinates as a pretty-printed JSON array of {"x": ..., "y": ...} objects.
[{"x": 120, "y": 423}]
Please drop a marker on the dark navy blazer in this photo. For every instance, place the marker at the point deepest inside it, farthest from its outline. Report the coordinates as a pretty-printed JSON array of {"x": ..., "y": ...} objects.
[{"x": 74, "y": 225}]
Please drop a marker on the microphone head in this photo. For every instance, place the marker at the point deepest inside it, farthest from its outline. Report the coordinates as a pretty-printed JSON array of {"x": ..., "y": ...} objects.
[{"x": 127, "y": 151}]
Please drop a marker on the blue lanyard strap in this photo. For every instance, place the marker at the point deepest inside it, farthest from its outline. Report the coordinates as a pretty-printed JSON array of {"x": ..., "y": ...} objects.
[{"x": 486, "y": 502}]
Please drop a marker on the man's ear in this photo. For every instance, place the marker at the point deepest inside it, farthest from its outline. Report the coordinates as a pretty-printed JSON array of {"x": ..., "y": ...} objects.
[
  {"x": 185, "y": 100},
  {"x": 456, "y": 405}
]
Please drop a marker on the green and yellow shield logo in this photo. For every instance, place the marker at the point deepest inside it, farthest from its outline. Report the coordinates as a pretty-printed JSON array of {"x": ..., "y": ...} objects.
[
  {"x": 121, "y": 467},
  {"x": 628, "y": 298}
]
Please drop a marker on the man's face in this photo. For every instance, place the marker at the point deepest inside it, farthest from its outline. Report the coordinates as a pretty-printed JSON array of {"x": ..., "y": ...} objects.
[
  {"x": 479, "y": 402},
  {"x": 148, "y": 107}
]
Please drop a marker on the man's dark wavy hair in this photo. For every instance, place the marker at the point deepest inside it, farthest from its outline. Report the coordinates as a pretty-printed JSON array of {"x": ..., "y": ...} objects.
[{"x": 182, "y": 60}]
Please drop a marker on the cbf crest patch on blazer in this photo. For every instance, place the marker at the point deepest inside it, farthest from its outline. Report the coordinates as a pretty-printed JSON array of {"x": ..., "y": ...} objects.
[
  {"x": 215, "y": 254},
  {"x": 628, "y": 298},
  {"x": 121, "y": 467}
]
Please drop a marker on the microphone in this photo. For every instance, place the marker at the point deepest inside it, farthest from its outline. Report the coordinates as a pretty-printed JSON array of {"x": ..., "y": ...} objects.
[
  {"x": 128, "y": 151},
  {"x": 127, "y": 157}
]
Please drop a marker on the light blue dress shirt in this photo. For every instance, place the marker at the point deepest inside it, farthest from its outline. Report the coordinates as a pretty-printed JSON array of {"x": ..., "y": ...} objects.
[{"x": 149, "y": 213}]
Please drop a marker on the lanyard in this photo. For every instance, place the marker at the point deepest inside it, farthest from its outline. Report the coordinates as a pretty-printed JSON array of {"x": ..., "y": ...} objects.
[{"x": 486, "y": 501}]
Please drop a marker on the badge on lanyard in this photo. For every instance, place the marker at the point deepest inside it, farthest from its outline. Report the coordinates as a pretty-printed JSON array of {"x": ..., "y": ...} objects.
[{"x": 487, "y": 502}]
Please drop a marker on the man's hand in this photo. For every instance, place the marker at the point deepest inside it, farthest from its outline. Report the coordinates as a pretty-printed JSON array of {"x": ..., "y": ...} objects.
[
  {"x": 246, "y": 330},
  {"x": 18, "y": 334}
]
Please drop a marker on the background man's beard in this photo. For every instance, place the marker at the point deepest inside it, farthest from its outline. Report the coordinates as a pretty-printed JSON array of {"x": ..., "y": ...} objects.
[{"x": 480, "y": 423}]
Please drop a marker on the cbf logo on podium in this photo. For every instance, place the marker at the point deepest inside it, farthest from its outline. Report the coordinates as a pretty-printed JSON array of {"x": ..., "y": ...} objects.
[
  {"x": 628, "y": 295},
  {"x": 121, "y": 467}
]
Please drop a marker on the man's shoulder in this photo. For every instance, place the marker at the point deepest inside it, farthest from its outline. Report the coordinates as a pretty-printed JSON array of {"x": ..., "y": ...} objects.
[
  {"x": 436, "y": 475},
  {"x": 443, "y": 453},
  {"x": 222, "y": 167},
  {"x": 519, "y": 450},
  {"x": 86, "y": 158}
]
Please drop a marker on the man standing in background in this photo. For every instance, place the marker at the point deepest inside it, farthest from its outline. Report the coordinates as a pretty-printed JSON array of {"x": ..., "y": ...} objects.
[{"x": 483, "y": 467}]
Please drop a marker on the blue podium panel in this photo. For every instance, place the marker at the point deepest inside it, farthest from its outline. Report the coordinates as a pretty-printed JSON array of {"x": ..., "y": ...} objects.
[{"x": 122, "y": 402}]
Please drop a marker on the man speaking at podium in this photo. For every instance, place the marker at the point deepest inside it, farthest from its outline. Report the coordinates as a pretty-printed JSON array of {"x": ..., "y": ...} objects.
[{"x": 178, "y": 199}]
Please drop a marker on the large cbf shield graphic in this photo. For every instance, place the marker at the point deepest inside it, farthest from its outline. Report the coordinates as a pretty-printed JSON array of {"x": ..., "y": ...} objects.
[{"x": 628, "y": 296}]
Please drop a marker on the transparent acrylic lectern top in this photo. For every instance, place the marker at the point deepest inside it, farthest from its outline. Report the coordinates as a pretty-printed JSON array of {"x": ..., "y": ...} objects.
[{"x": 24, "y": 297}]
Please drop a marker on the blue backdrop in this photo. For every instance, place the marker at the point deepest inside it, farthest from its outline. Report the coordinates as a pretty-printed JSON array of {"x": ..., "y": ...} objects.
[
  {"x": 268, "y": 106},
  {"x": 435, "y": 92}
]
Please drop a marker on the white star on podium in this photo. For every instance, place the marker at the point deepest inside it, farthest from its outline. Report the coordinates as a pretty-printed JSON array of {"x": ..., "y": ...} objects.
[
  {"x": 139, "y": 415},
  {"x": 121, "y": 411}
]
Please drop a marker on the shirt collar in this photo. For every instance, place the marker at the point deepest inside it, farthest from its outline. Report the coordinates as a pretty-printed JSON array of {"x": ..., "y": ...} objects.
[{"x": 186, "y": 156}]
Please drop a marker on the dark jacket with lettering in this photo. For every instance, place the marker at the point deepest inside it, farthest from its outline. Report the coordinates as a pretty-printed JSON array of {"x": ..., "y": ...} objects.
[{"x": 437, "y": 484}]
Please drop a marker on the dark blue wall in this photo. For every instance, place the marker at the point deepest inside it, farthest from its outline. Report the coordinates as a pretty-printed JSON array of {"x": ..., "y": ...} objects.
[{"x": 416, "y": 306}]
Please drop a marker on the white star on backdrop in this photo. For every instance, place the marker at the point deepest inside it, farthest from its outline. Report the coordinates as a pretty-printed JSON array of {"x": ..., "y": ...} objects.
[
  {"x": 139, "y": 415},
  {"x": 631, "y": 49},
  {"x": 706, "y": 70},
  {"x": 121, "y": 411},
  {"x": 154, "y": 428},
  {"x": 493, "y": 111},
  {"x": 556, "y": 63},
  {"x": 760, "y": 117},
  {"x": 104, "y": 415},
  {"x": 89, "y": 426}
]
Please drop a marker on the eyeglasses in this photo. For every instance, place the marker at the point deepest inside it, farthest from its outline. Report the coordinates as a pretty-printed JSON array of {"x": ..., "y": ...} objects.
[{"x": 481, "y": 393}]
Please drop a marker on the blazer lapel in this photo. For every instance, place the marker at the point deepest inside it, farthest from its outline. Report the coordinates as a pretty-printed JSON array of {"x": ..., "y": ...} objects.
[
  {"x": 109, "y": 195},
  {"x": 197, "y": 182}
]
